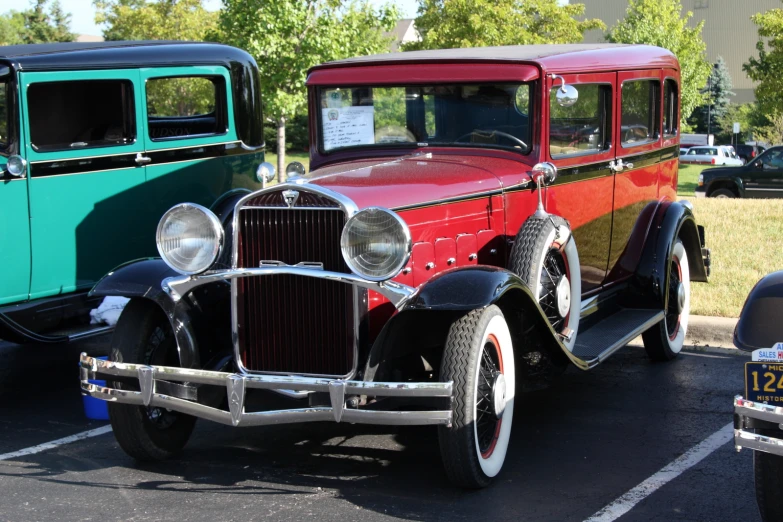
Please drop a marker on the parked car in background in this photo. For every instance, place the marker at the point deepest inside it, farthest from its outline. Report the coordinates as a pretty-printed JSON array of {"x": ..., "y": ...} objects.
[
  {"x": 758, "y": 411},
  {"x": 748, "y": 152},
  {"x": 96, "y": 141},
  {"x": 761, "y": 178},
  {"x": 684, "y": 150},
  {"x": 440, "y": 258},
  {"x": 714, "y": 155}
]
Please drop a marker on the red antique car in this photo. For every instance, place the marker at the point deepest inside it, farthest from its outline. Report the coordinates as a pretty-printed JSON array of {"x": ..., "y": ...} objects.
[{"x": 475, "y": 221}]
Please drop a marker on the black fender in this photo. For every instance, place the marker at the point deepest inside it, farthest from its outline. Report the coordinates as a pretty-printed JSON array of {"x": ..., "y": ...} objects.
[
  {"x": 718, "y": 182},
  {"x": 454, "y": 292},
  {"x": 759, "y": 324},
  {"x": 223, "y": 208},
  {"x": 202, "y": 315},
  {"x": 649, "y": 285}
]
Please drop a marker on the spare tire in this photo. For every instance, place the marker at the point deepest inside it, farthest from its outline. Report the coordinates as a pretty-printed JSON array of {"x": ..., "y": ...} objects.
[{"x": 544, "y": 256}]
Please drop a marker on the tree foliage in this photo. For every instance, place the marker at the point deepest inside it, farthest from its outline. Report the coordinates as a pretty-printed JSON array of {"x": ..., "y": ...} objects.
[
  {"x": 287, "y": 37},
  {"x": 42, "y": 22},
  {"x": 766, "y": 68},
  {"x": 719, "y": 93},
  {"x": 747, "y": 115},
  {"x": 185, "y": 20},
  {"x": 660, "y": 22},
  {"x": 445, "y": 24}
]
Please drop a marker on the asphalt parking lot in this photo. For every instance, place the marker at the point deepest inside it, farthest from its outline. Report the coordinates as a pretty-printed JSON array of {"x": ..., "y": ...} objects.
[{"x": 576, "y": 448}]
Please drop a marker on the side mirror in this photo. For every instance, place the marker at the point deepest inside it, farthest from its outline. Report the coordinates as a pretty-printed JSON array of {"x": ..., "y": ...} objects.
[
  {"x": 294, "y": 169},
  {"x": 566, "y": 95},
  {"x": 265, "y": 173}
]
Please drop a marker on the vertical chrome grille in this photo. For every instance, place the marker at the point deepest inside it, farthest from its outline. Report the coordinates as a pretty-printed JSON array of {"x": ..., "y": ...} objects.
[{"x": 293, "y": 324}]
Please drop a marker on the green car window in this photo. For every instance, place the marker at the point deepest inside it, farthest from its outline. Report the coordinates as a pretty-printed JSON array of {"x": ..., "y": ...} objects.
[
  {"x": 70, "y": 115},
  {"x": 181, "y": 107},
  {"x": 4, "y": 113}
]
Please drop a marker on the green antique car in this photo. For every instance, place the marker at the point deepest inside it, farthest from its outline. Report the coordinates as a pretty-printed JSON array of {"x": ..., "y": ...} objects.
[{"x": 97, "y": 141}]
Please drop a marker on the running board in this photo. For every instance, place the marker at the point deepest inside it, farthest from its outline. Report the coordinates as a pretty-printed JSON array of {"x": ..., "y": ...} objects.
[
  {"x": 599, "y": 342},
  {"x": 14, "y": 332}
]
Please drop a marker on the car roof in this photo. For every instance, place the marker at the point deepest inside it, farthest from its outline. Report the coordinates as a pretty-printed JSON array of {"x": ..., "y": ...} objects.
[
  {"x": 115, "y": 55},
  {"x": 560, "y": 56}
]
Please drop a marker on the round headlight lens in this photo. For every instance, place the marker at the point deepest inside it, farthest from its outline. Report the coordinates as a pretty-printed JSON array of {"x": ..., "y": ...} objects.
[
  {"x": 376, "y": 244},
  {"x": 189, "y": 238}
]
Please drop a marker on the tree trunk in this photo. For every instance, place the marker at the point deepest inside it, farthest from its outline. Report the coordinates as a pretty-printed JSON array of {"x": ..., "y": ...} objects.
[{"x": 281, "y": 150}]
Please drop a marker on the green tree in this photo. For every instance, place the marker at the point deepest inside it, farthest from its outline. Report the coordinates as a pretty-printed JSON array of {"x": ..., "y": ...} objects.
[
  {"x": 445, "y": 24},
  {"x": 42, "y": 22},
  {"x": 746, "y": 114},
  {"x": 287, "y": 37},
  {"x": 185, "y": 20},
  {"x": 766, "y": 68},
  {"x": 660, "y": 22},
  {"x": 719, "y": 93}
]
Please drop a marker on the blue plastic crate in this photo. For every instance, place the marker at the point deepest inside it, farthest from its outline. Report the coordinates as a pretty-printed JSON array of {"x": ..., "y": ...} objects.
[{"x": 96, "y": 409}]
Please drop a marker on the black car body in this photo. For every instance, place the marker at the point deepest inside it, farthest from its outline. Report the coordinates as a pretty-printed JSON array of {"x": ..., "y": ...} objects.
[
  {"x": 762, "y": 177},
  {"x": 749, "y": 152}
]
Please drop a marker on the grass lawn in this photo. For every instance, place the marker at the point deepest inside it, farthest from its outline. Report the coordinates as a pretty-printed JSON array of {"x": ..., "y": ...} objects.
[{"x": 746, "y": 239}]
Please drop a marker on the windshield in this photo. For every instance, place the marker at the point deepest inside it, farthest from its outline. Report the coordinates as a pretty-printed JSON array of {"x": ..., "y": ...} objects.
[{"x": 479, "y": 115}]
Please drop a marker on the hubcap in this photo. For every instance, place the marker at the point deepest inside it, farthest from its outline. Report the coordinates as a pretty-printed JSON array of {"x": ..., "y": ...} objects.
[
  {"x": 499, "y": 395},
  {"x": 563, "y": 296},
  {"x": 680, "y": 298}
]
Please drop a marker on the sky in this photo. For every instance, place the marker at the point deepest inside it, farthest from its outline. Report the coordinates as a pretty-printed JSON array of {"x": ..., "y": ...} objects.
[{"x": 83, "y": 13}]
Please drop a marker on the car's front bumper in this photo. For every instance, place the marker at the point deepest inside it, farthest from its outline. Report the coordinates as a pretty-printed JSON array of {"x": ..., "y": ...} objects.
[
  {"x": 745, "y": 414},
  {"x": 236, "y": 384}
]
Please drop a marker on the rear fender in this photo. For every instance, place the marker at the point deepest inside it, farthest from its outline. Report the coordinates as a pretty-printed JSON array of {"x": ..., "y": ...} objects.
[
  {"x": 452, "y": 293},
  {"x": 759, "y": 324},
  {"x": 672, "y": 220},
  {"x": 202, "y": 315}
]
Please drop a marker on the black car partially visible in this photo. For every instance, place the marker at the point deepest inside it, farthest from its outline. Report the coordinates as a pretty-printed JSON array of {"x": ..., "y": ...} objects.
[
  {"x": 748, "y": 152},
  {"x": 761, "y": 177}
]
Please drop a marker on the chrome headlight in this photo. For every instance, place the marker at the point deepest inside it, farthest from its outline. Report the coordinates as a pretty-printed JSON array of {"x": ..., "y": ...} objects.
[
  {"x": 376, "y": 244},
  {"x": 189, "y": 238}
]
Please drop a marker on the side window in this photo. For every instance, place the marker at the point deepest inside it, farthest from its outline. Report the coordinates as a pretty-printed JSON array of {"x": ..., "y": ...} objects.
[
  {"x": 186, "y": 107},
  {"x": 5, "y": 111},
  {"x": 670, "y": 108},
  {"x": 639, "y": 117},
  {"x": 71, "y": 115},
  {"x": 583, "y": 128}
]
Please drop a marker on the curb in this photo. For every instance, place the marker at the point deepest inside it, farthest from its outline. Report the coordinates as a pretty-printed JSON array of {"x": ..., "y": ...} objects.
[{"x": 715, "y": 332}]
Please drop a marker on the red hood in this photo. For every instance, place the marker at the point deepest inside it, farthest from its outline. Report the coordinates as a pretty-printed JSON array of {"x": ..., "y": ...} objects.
[{"x": 411, "y": 180}]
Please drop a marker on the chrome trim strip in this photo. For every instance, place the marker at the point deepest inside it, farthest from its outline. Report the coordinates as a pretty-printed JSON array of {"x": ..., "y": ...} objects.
[
  {"x": 290, "y": 208},
  {"x": 236, "y": 384},
  {"x": 178, "y": 287}
]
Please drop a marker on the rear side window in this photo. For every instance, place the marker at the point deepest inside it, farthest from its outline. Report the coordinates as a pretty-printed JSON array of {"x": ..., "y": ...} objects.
[
  {"x": 5, "y": 113},
  {"x": 80, "y": 114},
  {"x": 670, "y": 108},
  {"x": 639, "y": 114},
  {"x": 186, "y": 107},
  {"x": 583, "y": 128}
]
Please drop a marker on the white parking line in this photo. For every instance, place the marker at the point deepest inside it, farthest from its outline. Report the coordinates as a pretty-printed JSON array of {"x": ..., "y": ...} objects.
[
  {"x": 674, "y": 469},
  {"x": 53, "y": 444}
]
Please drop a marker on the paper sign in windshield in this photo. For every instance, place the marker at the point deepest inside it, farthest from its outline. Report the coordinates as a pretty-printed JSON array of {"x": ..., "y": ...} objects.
[
  {"x": 774, "y": 354},
  {"x": 348, "y": 126}
]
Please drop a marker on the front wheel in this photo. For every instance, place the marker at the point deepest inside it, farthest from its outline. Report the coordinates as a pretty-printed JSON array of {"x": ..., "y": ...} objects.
[
  {"x": 768, "y": 476},
  {"x": 723, "y": 193},
  {"x": 665, "y": 340},
  {"x": 479, "y": 360},
  {"x": 144, "y": 336}
]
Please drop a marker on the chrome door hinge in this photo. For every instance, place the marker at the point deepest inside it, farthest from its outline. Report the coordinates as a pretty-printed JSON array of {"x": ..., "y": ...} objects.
[{"x": 142, "y": 159}]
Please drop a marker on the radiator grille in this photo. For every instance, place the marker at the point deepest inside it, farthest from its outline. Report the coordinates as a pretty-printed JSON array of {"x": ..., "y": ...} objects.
[{"x": 286, "y": 323}]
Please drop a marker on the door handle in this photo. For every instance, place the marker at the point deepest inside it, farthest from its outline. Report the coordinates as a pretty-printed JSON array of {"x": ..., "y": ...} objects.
[
  {"x": 619, "y": 166},
  {"x": 142, "y": 160}
]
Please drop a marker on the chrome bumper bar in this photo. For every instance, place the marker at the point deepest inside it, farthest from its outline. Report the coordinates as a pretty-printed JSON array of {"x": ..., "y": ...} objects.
[
  {"x": 236, "y": 385},
  {"x": 748, "y": 439}
]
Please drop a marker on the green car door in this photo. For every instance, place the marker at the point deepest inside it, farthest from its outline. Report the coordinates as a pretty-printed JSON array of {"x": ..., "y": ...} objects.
[
  {"x": 14, "y": 224},
  {"x": 83, "y": 141},
  {"x": 191, "y": 138}
]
